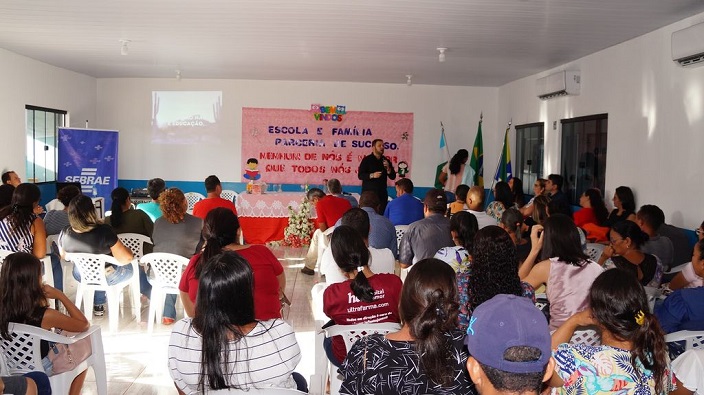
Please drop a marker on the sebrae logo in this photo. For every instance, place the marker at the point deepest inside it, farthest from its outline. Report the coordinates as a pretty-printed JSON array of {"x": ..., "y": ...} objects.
[{"x": 88, "y": 178}]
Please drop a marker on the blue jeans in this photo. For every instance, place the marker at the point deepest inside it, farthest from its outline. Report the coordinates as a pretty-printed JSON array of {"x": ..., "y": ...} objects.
[
  {"x": 169, "y": 301},
  {"x": 58, "y": 271},
  {"x": 121, "y": 274},
  {"x": 42, "y": 382}
]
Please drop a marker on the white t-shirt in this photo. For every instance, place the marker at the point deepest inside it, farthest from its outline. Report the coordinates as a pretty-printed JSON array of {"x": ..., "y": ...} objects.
[
  {"x": 265, "y": 357},
  {"x": 693, "y": 280},
  {"x": 381, "y": 260},
  {"x": 688, "y": 369},
  {"x": 483, "y": 219}
]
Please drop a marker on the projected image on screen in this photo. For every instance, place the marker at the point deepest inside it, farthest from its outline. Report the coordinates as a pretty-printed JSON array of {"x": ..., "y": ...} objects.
[{"x": 186, "y": 117}]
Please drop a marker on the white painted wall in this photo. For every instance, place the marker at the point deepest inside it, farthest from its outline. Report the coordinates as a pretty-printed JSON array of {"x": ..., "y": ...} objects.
[
  {"x": 26, "y": 81},
  {"x": 656, "y": 120},
  {"x": 125, "y": 105}
]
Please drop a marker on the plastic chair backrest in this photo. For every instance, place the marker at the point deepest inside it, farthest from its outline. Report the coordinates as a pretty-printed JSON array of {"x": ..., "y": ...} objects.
[
  {"x": 167, "y": 268},
  {"x": 92, "y": 267},
  {"x": 589, "y": 337},
  {"x": 400, "y": 231},
  {"x": 192, "y": 198},
  {"x": 594, "y": 251},
  {"x": 352, "y": 333},
  {"x": 257, "y": 391},
  {"x": 229, "y": 194},
  {"x": 135, "y": 242},
  {"x": 692, "y": 339}
]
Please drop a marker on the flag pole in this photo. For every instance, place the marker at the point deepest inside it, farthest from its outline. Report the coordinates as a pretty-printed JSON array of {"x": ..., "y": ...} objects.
[
  {"x": 447, "y": 146},
  {"x": 498, "y": 162}
]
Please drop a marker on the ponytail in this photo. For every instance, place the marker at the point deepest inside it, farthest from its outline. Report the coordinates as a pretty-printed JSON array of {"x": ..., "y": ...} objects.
[
  {"x": 361, "y": 288},
  {"x": 351, "y": 253},
  {"x": 119, "y": 197},
  {"x": 650, "y": 348}
]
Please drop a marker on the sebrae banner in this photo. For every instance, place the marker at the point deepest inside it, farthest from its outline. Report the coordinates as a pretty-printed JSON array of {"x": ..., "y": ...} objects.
[{"x": 308, "y": 146}]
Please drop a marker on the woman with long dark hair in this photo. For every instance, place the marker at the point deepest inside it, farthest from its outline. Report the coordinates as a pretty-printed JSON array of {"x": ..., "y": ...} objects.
[
  {"x": 463, "y": 227},
  {"x": 224, "y": 345},
  {"x": 125, "y": 219},
  {"x": 453, "y": 173},
  {"x": 512, "y": 223},
  {"x": 21, "y": 228},
  {"x": 563, "y": 267},
  {"x": 426, "y": 356},
  {"x": 624, "y": 206},
  {"x": 221, "y": 232},
  {"x": 87, "y": 234},
  {"x": 626, "y": 239},
  {"x": 632, "y": 357},
  {"x": 503, "y": 200},
  {"x": 516, "y": 186},
  {"x": 593, "y": 210},
  {"x": 376, "y": 296},
  {"x": 23, "y": 299}
]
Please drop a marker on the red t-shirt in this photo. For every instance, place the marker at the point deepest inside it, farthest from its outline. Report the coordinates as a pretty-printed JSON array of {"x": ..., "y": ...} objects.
[
  {"x": 584, "y": 216},
  {"x": 330, "y": 208},
  {"x": 265, "y": 267},
  {"x": 340, "y": 304},
  {"x": 203, "y": 207}
]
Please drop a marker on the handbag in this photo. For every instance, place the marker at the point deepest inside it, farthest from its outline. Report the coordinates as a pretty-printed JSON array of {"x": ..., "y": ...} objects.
[{"x": 65, "y": 357}]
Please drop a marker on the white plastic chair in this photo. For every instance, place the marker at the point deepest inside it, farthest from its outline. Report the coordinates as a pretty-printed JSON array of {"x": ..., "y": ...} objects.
[
  {"x": 594, "y": 251},
  {"x": 92, "y": 270},
  {"x": 46, "y": 262},
  {"x": 400, "y": 231},
  {"x": 350, "y": 333},
  {"x": 692, "y": 339},
  {"x": 229, "y": 194},
  {"x": 22, "y": 354},
  {"x": 135, "y": 242},
  {"x": 167, "y": 269},
  {"x": 192, "y": 198},
  {"x": 257, "y": 391},
  {"x": 589, "y": 337}
]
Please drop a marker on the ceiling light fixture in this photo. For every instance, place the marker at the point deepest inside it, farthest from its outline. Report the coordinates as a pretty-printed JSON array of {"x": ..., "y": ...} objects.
[
  {"x": 441, "y": 56},
  {"x": 408, "y": 80},
  {"x": 125, "y": 49}
]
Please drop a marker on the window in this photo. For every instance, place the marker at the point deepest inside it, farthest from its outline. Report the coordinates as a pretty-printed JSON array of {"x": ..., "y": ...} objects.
[
  {"x": 584, "y": 154},
  {"x": 42, "y": 124},
  {"x": 529, "y": 155}
]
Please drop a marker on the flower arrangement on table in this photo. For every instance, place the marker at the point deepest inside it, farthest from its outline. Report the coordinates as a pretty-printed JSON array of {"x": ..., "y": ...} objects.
[{"x": 299, "y": 230}]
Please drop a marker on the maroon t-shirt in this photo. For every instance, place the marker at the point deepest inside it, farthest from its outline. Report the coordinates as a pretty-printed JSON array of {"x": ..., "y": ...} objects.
[{"x": 340, "y": 304}]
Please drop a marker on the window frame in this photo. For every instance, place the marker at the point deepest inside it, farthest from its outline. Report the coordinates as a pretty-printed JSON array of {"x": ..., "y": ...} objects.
[
  {"x": 601, "y": 135},
  {"x": 529, "y": 178},
  {"x": 48, "y": 140}
]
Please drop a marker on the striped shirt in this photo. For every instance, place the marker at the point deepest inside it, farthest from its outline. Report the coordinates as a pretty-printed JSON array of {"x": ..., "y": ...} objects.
[
  {"x": 265, "y": 357},
  {"x": 17, "y": 240}
]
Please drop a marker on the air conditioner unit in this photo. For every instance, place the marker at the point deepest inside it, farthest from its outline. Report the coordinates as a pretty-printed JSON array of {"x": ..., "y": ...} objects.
[
  {"x": 558, "y": 84},
  {"x": 688, "y": 45}
]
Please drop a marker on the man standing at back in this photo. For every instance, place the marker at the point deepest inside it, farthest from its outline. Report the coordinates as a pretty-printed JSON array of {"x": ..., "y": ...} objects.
[
  {"x": 213, "y": 200},
  {"x": 374, "y": 169},
  {"x": 425, "y": 237},
  {"x": 406, "y": 208}
]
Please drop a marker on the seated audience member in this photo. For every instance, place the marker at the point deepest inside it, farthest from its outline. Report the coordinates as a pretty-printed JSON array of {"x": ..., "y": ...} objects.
[
  {"x": 24, "y": 301},
  {"x": 593, "y": 210},
  {"x": 503, "y": 200},
  {"x": 155, "y": 187},
  {"x": 175, "y": 232},
  {"x": 453, "y": 172},
  {"x": 684, "y": 308},
  {"x": 88, "y": 235},
  {"x": 6, "y": 191},
  {"x": 329, "y": 209},
  {"x": 632, "y": 357},
  {"x": 21, "y": 228},
  {"x": 460, "y": 203},
  {"x": 689, "y": 277},
  {"x": 382, "y": 233},
  {"x": 538, "y": 189},
  {"x": 493, "y": 271},
  {"x": 125, "y": 219},
  {"x": 463, "y": 227},
  {"x": 681, "y": 243},
  {"x": 516, "y": 186},
  {"x": 220, "y": 233},
  {"x": 11, "y": 178},
  {"x": 553, "y": 186},
  {"x": 425, "y": 237},
  {"x": 335, "y": 189},
  {"x": 55, "y": 221},
  {"x": 565, "y": 269},
  {"x": 19, "y": 385},
  {"x": 364, "y": 297},
  {"x": 225, "y": 345},
  {"x": 213, "y": 200},
  {"x": 406, "y": 208},
  {"x": 650, "y": 218},
  {"x": 475, "y": 202},
  {"x": 512, "y": 223},
  {"x": 624, "y": 206},
  {"x": 625, "y": 252},
  {"x": 688, "y": 368},
  {"x": 427, "y": 355},
  {"x": 509, "y": 347},
  {"x": 381, "y": 260},
  {"x": 540, "y": 209}
]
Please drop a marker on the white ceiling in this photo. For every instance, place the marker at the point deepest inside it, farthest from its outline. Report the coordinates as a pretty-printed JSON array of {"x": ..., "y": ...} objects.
[{"x": 490, "y": 42}]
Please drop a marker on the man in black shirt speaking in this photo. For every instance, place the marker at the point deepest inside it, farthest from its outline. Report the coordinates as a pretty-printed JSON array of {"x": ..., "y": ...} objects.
[{"x": 374, "y": 170}]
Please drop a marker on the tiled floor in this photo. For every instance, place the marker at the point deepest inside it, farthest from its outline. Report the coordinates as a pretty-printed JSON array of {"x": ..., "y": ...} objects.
[{"x": 136, "y": 361}]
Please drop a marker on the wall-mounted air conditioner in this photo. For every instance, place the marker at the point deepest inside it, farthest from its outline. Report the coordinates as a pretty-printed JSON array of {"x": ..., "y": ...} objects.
[
  {"x": 558, "y": 84},
  {"x": 688, "y": 45}
]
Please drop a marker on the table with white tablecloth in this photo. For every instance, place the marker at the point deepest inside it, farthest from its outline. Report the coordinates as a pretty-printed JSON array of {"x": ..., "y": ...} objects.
[{"x": 264, "y": 217}]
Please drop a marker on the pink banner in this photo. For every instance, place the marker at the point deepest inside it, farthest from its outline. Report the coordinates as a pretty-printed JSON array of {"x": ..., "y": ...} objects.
[{"x": 308, "y": 146}]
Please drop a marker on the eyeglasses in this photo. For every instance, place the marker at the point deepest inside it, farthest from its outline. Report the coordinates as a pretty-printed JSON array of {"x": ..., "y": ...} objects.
[{"x": 612, "y": 242}]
